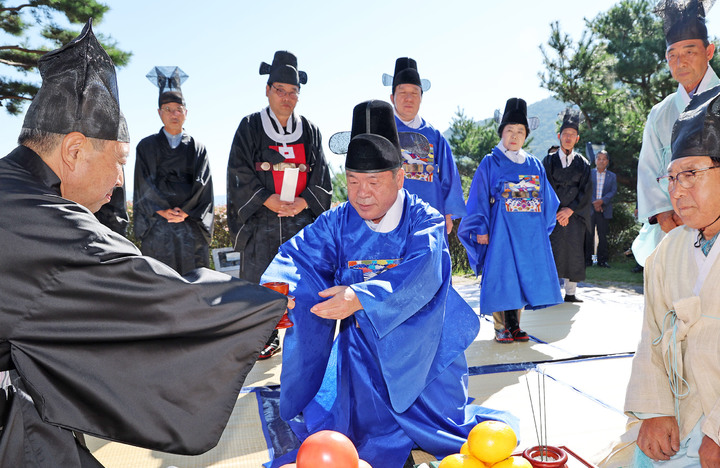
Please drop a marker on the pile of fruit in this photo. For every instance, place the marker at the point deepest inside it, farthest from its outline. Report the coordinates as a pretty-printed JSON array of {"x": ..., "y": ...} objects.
[{"x": 489, "y": 444}]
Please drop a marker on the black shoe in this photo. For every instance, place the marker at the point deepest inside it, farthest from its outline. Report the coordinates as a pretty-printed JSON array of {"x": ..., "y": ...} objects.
[
  {"x": 519, "y": 335},
  {"x": 572, "y": 298},
  {"x": 269, "y": 350},
  {"x": 503, "y": 336},
  {"x": 637, "y": 269},
  {"x": 603, "y": 264},
  {"x": 588, "y": 263}
]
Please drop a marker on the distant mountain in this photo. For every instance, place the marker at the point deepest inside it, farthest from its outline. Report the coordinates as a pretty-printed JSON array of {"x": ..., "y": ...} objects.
[{"x": 545, "y": 135}]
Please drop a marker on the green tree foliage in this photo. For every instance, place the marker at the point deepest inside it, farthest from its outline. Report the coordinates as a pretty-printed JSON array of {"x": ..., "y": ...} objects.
[
  {"x": 470, "y": 141},
  {"x": 615, "y": 73},
  {"x": 32, "y": 30}
]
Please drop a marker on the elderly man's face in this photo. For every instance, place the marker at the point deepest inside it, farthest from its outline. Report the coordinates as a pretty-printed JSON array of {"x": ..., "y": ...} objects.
[
  {"x": 282, "y": 98},
  {"x": 688, "y": 61},
  {"x": 173, "y": 117},
  {"x": 568, "y": 139},
  {"x": 95, "y": 174},
  {"x": 407, "y": 99},
  {"x": 372, "y": 194},
  {"x": 601, "y": 162},
  {"x": 699, "y": 205}
]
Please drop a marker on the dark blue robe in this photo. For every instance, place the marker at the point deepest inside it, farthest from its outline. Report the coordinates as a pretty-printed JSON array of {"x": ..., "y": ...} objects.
[
  {"x": 518, "y": 269},
  {"x": 396, "y": 376}
]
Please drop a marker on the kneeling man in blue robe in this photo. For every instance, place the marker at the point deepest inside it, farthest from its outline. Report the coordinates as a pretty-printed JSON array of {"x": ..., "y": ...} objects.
[{"x": 395, "y": 377}]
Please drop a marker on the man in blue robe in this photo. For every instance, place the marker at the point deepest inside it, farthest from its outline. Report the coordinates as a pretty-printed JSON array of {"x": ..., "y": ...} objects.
[
  {"x": 433, "y": 177},
  {"x": 395, "y": 377}
]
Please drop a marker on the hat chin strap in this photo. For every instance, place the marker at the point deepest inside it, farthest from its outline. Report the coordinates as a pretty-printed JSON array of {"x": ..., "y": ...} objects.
[{"x": 702, "y": 230}]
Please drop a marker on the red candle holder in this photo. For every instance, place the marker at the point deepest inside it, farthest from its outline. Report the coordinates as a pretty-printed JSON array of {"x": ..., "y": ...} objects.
[
  {"x": 546, "y": 456},
  {"x": 282, "y": 288}
]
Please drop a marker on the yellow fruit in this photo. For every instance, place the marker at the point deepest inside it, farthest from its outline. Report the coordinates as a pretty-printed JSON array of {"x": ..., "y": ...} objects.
[
  {"x": 491, "y": 441},
  {"x": 464, "y": 449},
  {"x": 458, "y": 460},
  {"x": 513, "y": 462}
]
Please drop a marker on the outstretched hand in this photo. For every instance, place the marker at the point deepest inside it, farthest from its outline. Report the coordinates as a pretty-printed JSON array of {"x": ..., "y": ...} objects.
[{"x": 343, "y": 303}]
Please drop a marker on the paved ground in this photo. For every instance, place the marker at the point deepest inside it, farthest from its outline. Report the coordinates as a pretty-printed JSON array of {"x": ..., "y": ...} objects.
[{"x": 581, "y": 354}]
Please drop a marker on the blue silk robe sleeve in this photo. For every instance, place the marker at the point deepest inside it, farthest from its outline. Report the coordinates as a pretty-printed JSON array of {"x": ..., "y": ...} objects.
[
  {"x": 477, "y": 221},
  {"x": 403, "y": 307}
]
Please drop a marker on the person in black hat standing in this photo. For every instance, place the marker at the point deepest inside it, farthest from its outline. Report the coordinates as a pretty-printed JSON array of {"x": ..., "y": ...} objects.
[
  {"x": 173, "y": 192},
  {"x": 274, "y": 148},
  {"x": 688, "y": 55},
  {"x": 435, "y": 177},
  {"x": 97, "y": 338},
  {"x": 511, "y": 212},
  {"x": 674, "y": 387},
  {"x": 379, "y": 263},
  {"x": 569, "y": 175}
]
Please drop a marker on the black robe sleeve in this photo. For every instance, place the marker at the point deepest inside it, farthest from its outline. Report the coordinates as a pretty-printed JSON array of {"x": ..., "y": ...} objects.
[
  {"x": 318, "y": 192},
  {"x": 147, "y": 199},
  {"x": 113, "y": 344}
]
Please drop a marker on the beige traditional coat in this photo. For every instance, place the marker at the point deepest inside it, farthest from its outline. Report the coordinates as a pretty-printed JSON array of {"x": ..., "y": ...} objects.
[{"x": 680, "y": 341}]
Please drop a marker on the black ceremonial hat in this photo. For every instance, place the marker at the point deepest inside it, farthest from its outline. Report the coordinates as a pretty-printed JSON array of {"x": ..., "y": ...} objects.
[
  {"x": 570, "y": 119},
  {"x": 683, "y": 19},
  {"x": 406, "y": 72},
  {"x": 79, "y": 92},
  {"x": 168, "y": 80},
  {"x": 283, "y": 69},
  {"x": 515, "y": 113},
  {"x": 697, "y": 131},
  {"x": 374, "y": 144}
]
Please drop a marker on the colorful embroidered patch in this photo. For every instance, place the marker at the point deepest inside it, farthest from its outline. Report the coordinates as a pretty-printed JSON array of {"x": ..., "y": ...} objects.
[
  {"x": 372, "y": 268},
  {"x": 419, "y": 167},
  {"x": 523, "y": 196}
]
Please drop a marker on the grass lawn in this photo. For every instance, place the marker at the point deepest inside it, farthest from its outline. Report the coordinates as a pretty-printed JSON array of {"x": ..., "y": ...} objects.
[{"x": 619, "y": 273}]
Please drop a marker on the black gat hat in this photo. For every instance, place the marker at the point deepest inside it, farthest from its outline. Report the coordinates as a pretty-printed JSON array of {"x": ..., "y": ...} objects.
[
  {"x": 284, "y": 69},
  {"x": 168, "y": 80},
  {"x": 683, "y": 19},
  {"x": 79, "y": 92},
  {"x": 374, "y": 144}
]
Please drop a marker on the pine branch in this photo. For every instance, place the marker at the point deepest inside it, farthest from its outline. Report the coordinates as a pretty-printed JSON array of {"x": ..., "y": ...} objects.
[
  {"x": 16, "y": 9},
  {"x": 22, "y": 49}
]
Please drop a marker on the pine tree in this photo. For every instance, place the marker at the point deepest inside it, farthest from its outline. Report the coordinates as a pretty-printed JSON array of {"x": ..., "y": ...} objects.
[{"x": 32, "y": 29}]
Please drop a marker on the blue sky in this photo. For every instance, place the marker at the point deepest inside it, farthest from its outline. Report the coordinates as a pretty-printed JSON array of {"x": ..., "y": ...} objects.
[{"x": 476, "y": 53}]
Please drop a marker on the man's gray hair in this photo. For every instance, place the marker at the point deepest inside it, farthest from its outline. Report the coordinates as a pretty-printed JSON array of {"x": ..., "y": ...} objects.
[{"x": 43, "y": 142}]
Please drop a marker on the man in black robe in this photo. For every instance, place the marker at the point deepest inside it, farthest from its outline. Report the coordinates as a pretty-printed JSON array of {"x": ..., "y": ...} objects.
[
  {"x": 266, "y": 145},
  {"x": 94, "y": 337},
  {"x": 173, "y": 194},
  {"x": 569, "y": 175}
]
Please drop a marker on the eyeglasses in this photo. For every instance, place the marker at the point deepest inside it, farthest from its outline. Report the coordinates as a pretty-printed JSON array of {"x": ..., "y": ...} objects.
[
  {"x": 170, "y": 110},
  {"x": 686, "y": 179},
  {"x": 282, "y": 93}
]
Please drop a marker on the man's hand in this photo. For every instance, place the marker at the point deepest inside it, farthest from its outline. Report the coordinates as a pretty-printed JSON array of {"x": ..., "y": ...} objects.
[
  {"x": 563, "y": 216},
  {"x": 659, "y": 438},
  {"x": 173, "y": 215},
  {"x": 668, "y": 220},
  {"x": 598, "y": 205},
  {"x": 291, "y": 209},
  {"x": 483, "y": 239},
  {"x": 342, "y": 303},
  {"x": 709, "y": 453},
  {"x": 448, "y": 223},
  {"x": 274, "y": 204}
]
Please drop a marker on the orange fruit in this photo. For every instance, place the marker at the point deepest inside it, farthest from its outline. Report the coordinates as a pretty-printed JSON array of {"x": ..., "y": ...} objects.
[
  {"x": 458, "y": 460},
  {"x": 491, "y": 441},
  {"x": 513, "y": 462},
  {"x": 464, "y": 449}
]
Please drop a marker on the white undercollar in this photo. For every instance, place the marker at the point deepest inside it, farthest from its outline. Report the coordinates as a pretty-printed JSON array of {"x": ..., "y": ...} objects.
[
  {"x": 415, "y": 123},
  {"x": 514, "y": 156},
  {"x": 294, "y": 126},
  {"x": 392, "y": 218}
]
